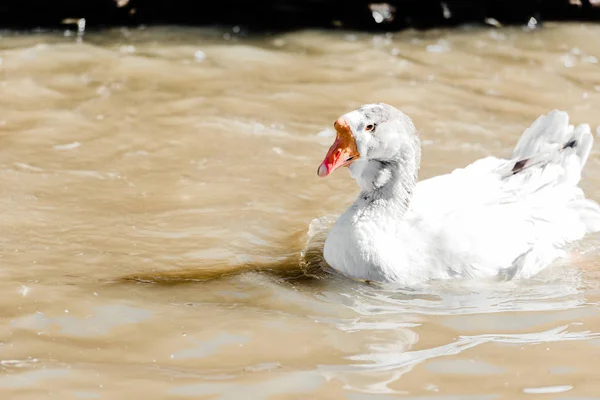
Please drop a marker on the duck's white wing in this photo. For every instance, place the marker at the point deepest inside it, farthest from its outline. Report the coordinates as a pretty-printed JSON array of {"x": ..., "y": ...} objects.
[{"x": 511, "y": 216}]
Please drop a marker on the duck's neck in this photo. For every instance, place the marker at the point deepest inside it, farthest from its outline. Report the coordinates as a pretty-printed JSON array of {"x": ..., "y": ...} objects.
[{"x": 387, "y": 186}]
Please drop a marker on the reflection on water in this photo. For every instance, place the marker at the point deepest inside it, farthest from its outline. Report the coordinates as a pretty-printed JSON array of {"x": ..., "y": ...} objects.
[{"x": 163, "y": 222}]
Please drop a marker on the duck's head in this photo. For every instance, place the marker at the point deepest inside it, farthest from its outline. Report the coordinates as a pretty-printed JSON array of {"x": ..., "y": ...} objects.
[{"x": 373, "y": 132}]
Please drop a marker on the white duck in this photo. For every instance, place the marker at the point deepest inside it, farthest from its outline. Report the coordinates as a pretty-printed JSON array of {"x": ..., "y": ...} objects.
[{"x": 508, "y": 217}]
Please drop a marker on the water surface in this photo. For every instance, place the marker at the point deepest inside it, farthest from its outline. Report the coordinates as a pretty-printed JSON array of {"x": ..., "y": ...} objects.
[{"x": 186, "y": 159}]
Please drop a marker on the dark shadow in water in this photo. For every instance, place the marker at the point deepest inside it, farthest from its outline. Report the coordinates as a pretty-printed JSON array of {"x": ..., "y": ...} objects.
[{"x": 293, "y": 266}]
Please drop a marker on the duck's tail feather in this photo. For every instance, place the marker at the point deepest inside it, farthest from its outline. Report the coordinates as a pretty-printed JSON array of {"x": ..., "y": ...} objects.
[
  {"x": 550, "y": 155},
  {"x": 551, "y": 140}
]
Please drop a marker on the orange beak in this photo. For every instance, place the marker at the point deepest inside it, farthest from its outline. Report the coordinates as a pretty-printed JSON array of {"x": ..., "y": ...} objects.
[{"x": 342, "y": 152}]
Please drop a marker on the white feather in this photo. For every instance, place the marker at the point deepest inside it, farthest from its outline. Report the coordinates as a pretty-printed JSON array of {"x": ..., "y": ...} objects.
[{"x": 494, "y": 217}]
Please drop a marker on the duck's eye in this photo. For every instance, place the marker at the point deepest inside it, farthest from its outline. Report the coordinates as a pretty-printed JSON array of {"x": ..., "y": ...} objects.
[{"x": 369, "y": 127}]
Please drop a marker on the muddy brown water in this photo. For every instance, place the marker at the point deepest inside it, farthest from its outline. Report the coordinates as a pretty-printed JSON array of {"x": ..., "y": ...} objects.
[{"x": 185, "y": 159}]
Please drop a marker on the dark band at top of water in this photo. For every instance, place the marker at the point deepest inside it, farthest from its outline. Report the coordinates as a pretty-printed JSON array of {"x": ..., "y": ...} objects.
[{"x": 294, "y": 14}]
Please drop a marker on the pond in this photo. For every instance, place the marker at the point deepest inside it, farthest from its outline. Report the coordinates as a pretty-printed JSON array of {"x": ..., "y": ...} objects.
[{"x": 162, "y": 216}]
